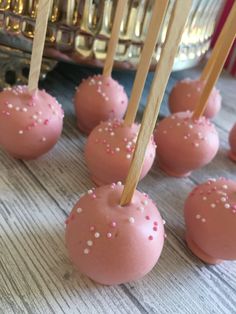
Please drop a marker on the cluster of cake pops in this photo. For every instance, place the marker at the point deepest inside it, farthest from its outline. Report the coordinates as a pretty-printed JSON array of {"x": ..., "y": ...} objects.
[{"x": 109, "y": 224}]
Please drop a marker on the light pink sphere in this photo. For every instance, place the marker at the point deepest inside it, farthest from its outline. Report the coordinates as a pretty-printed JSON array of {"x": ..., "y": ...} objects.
[
  {"x": 99, "y": 98},
  {"x": 109, "y": 150},
  {"x": 113, "y": 244},
  {"x": 30, "y": 123},
  {"x": 186, "y": 94},
  {"x": 184, "y": 144},
  {"x": 210, "y": 216},
  {"x": 232, "y": 143}
]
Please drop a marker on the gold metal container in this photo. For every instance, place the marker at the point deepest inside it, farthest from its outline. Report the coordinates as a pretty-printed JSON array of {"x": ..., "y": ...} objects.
[{"x": 79, "y": 31}]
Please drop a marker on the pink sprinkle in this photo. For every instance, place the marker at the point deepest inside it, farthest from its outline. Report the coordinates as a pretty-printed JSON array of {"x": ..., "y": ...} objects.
[
  {"x": 67, "y": 221},
  {"x": 155, "y": 223},
  {"x": 147, "y": 217},
  {"x": 92, "y": 228},
  {"x": 122, "y": 101},
  {"x": 108, "y": 150},
  {"x": 107, "y": 84},
  {"x": 155, "y": 228},
  {"x": 112, "y": 152},
  {"x": 94, "y": 196},
  {"x": 104, "y": 141},
  {"x": 113, "y": 224},
  {"x": 109, "y": 235},
  {"x": 150, "y": 237},
  {"x": 46, "y": 122},
  {"x": 72, "y": 217}
]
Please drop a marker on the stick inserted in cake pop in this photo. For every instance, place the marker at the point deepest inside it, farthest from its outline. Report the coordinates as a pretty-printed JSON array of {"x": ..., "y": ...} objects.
[
  {"x": 121, "y": 6},
  {"x": 158, "y": 15},
  {"x": 162, "y": 73},
  {"x": 38, "y": 43},
  {"x": 229, "y": 32}
]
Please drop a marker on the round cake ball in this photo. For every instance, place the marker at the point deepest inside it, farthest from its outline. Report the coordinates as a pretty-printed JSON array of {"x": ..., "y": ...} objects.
[
  {"x": 184, "y": 144},
  {"x": 232, "y": 143},
  {"x": 186, "y": 94},
  {"x": 99, "y": 98},
  {"x": 109, "y": 151},
  {"x": 112, "y": 244},
  {"x": 210, "y": 216},
  {"x": 30, "y": 123}
]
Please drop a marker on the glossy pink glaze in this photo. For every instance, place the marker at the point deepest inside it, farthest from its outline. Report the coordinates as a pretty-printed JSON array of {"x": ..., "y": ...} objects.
[
  {"x": 210, "y": 216},
  {"x": 184, "y": 145},
  {"x": 30, "y": 124},
  {"x": 113, "y": 244},
  {"x": 185, "y": 96},
  {"x": 232, "y": 143},
  {"x": 97, "y": 99},
  {"x": 109, "y": 151}
]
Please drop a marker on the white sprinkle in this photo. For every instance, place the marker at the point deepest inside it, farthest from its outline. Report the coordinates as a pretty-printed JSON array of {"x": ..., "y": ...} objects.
[
  {"x": 131, "y": 220},
  {"x": 141, "y": 208},
  {"x": 119, "y": 183},
  {"x": 39, "y": 120},
  {"x": 185, "y": 137},
  {"x": 196, "y": 144},
  {"x": 190, "y": 126},
  {"x": 112, "y": 133},
  {"x": 224, "y": 186},
  {"x": 203, "y": 220},
  {"x": 25, "y": 109},
  {"x": 10, "y": 106},
  {"x": 178, "y": 124},
  {"x": 90, "y": 191},
  {"x": 100, "y": 130},
  {"x": 204, "y": 198},
  {"x": 223, "y": 199},
  {"x": 128, "y": 156},
  {"x": 213, "y": 205},
  {"x": 198, "y": 216},
  {"x": 164, "y": 222},
  {"x": 227, "y": 205},
  {"x": 96, "y": 235},
  {"x": 17, "y": 108},
  {"x": 90, "y": 242},
  {"x": 109, "y": 235},
  {"x": 20, "y": 132},
  {"x": 106, "y": 129},
  {"x": 117, "y": 149},
  {"x": 44, "y": 139},
  {"x": 145, "y": 202},
  {"x": 79, "y": 210},
  {"x": 86, "y": 251}
]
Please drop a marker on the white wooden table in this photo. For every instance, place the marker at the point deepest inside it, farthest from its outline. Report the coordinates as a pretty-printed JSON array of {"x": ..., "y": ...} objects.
[{"x": 36, "y": 275}]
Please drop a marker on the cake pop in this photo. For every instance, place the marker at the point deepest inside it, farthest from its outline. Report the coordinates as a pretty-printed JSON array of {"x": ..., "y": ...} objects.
[
  {"x": 30, "y": 123},
  {"x": 186, "y": 94},
  {"x": 210, "y": 216},
  {"x": 184, "y": 144},
  {"x": 104, "y": 238},
  {"x": 100, "y": 97},
  {"x": 232, "y": 143},
  {"x": 30, "y": 119},
  {"x": 109, "y": 151}
]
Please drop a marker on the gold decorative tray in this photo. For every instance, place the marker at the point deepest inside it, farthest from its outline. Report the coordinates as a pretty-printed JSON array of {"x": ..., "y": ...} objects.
[{"x": 79, "y": 30}]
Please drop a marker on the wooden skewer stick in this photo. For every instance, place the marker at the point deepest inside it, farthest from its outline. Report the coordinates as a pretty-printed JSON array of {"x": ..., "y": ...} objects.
[
  {"x": 38, "y": 43},
  {"x": 162, "y": 73},
  {"x": 121, "y": 5},
  {"x": 158, "y": 14},
  {"x": 230, "y": 35},
  {"x": 219, "y": 43}
]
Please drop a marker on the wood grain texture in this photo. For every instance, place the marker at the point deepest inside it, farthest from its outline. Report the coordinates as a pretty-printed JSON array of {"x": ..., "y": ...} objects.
[{"x": 36, "y": 275}]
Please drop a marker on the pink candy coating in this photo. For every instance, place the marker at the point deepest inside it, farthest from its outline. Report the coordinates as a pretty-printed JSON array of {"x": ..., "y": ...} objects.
[
  {"x": 184, "y": 144},
  {"x": 186, "y": 94},
  {"x": 232, "y": 143},
  {"x": 97, "y": 99},
  {"x": 30, "y": 124},
  {"x": 109, "y": 151},
  {"x": 122, "y": 245},
  {"x": 210, "y": 216}
]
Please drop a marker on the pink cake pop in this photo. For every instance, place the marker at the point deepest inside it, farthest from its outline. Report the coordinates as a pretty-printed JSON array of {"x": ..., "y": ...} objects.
[
  {"x": 112, "y": 244},
  {"x": 184, "y": 144},
  {"x": 232, "y": 143},
  {"x": 109, "y": 151},
  {"x": 30, "y": 123},
  {"x": 186, "y": 94},
  {"x": 99, "y": 98},
  {"x": 210, "y": 216}
]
